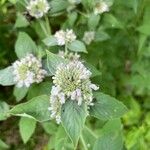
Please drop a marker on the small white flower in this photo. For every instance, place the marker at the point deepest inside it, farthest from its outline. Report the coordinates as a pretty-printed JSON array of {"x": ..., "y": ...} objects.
[
  {"x": 38, "y": 8},
  {"x": 88, "y": 37},
  {"x": 70, "y": 36},
  {"x": 69, "y": 55},
  {"x": 94, "y": 87},
  {"x": 64, "y": 37},
  {"x": 60, "y": 37},
  {"x": 101, "y": 7},
  {"x": 72, "y": 82},
  {"x": 27, "y": 71}
]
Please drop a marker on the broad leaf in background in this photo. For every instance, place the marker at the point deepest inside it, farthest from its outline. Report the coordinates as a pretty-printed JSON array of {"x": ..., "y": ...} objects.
[
  {"x": 93, "y": 21},
  {"x": 6, "y": 77},
  {"x": 107, "y": 107},
  {"x": 89, "y": 137},
  {"x": 111, "y": 138},
  {"x": 20, "y": 93},
  {"x": 26, "y": 127},
  {"x": 145, "y": 29},
  {"x": 58, "y": 6},
  {"x": 62, "y": 141},
  {"x": 25, "y": 45},
  {"x": 21, "y": 21},
  {"x": 36, "y": 108},
  {"x": 4, "y": 108},
  {"x": 43, "y": 88},
  {"x": 50, "y": 41},
  {"x": 101, "y": 36},
  {"x": 73, "y": 119},
  {"x": 53, "y": 61},
  {"x": 111, "y": 21},
  {"x": 77, "y": 46},
  {"x": 3, "y": 145},
  {"x": 49, "y": 127},
  {"x": 93, "y": 69}
]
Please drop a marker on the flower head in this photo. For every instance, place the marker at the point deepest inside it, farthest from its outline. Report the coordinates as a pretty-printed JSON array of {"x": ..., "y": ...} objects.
[
  {"x": 101, "y": 7},
  {"x": 72, "y": 82},
  {"x": 38, "y": 8},
  {"x": 69, "y": 55},
  {"x": 64, "y": 37},
  {"x": 88, "y": 37},
  {"x": 28, "y": 70}
]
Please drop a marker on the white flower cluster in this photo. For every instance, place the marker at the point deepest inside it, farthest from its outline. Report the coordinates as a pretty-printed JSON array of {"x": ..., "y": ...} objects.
[
  {"x": 88, "y": 37},
  {"x": 101, "y": 7},
  {"x": 28, "y": 70},
  {"x": 71, "y": 81},
  {"x": 64, "y": 37},
  {"x": 69, "y": 55},
  {"x": 38, "y": 8}
]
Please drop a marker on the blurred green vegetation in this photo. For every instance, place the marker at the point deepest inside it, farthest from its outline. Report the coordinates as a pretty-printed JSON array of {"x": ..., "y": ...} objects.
[{"x": 123, "y": 59}]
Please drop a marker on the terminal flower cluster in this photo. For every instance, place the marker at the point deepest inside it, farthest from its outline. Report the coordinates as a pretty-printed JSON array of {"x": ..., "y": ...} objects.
[
  {"x": 28, "y": 70},
  {"x": 69, "y": 55},
  {"x": 71, "y": 82},
  {"x": 101, "y": 7},
  {"x": 88, "y": 37},
  {"x": 38, "y": 8},
  {"x": 64, "y": 37}
]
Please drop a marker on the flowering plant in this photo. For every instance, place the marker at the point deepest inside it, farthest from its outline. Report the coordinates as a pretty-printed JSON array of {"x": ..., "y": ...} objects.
[{"x": 59, "y": 85}]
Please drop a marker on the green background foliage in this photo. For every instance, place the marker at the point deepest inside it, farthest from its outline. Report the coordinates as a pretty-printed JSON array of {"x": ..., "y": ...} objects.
[{"x": 119, "y": 58}]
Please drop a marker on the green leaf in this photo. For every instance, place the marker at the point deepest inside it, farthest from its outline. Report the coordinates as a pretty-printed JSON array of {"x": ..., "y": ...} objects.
[
  {"x": 62, "y": 141},
  {"x": 88, "y": 4},
  {"x": 107, "y": 107},
  {"x": 112, "y": 22},
  {"x": 26, "y": 127},
  {"x": 145, "y": 29},
  {"x": 72, "y": 17},
  {"x": 4, "y": 108},
  {"x": 20, "y": 93},
  {"x": 3, "y": 145},
  {"x": 101, "y": 36},
  {"x": 77, "y": 46},
  {"x": 40, "y": 28},
  {"x": 53, "y": 61},
  {"x": 93, "y": 21},
  {"x": 43, "y": 88},
  {"x": 112, "y": 138},
  {"x": 6, "y": 76},
  {"x": 94, "y": 70},
  {"x": 89, "y": 137},
  {"x": 24, "y": 45},
  {"x": 50, "y": 41},
  {"x": 36, "y": 108},
  {"x": 13, "y": 1},
  {"x": 57, "y": 6},
  {"x": 21, "y": 21},
  {"x": 73, "y": 119},
  {"x": 50, "y": 127}
]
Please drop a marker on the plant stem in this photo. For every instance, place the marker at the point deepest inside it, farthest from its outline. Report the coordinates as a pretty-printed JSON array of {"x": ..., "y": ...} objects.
[
  {"x": 83, "y": 142},
  {"x": 47, "y": 25},
  {"x": 66, "y": 47},
  {"x": 91, "y": 132},
  {"x": 43, "y": 28},
  {"x": 83, "y": 14}
]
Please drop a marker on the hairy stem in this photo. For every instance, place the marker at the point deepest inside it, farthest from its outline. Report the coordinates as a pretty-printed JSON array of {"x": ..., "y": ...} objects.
[
  {"x": 83, "y": 142},
  {"x": 47, "y": 25},
  {"x": 91, "y": 132}
]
